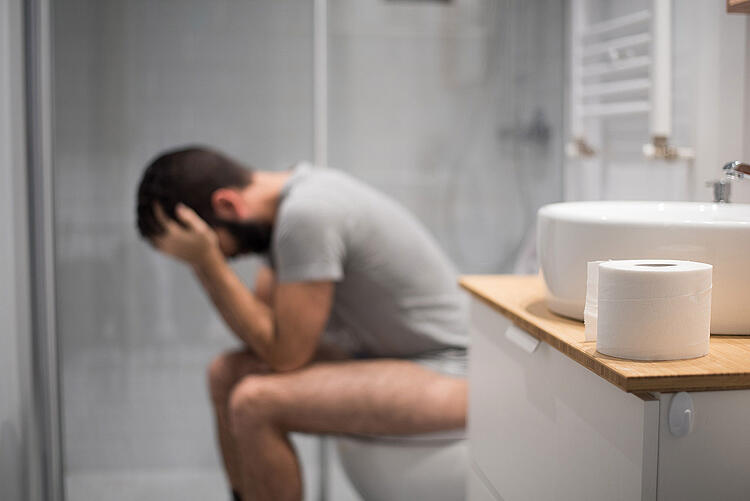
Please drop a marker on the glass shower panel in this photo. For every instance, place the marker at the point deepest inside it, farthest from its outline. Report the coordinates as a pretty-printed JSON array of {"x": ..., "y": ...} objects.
[
  {"x": 455, "y": 109},
  {"x": 135, "y": 331}
]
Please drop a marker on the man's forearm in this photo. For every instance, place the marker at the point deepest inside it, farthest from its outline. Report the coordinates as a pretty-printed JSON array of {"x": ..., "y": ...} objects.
[{"x": 249, "y": 318}]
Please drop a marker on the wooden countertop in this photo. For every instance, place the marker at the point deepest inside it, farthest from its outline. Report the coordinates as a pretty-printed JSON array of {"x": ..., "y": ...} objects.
[{"x": 521, "y": 299}]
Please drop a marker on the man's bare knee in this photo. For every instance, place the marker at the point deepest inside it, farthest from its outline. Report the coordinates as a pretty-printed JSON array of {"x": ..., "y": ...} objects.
[
  {"x": 219, "y": 378},
  {"x": 227, "y": 369},
  {"x": 253, "y": 402}
]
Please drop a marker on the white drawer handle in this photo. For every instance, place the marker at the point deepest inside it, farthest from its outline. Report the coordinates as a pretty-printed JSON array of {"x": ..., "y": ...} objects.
[{"x": 522, "y": 339}]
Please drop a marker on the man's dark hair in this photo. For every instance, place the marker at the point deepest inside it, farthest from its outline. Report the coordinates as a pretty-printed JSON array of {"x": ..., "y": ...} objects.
[{"x": 188, "y": 175}]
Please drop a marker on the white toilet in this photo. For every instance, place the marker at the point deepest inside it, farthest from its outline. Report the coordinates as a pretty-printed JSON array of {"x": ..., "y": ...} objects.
[{"x": 407, "y": 468}]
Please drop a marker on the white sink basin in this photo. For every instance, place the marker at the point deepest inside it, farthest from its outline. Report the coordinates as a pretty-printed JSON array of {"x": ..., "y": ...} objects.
[{"x": 571, "y": 234}]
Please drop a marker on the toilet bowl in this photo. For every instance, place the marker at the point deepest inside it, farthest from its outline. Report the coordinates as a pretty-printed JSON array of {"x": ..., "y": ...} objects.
[{"x": 410, "y": 468}]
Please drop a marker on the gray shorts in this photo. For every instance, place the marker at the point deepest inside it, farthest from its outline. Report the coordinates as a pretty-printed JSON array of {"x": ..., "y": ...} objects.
[{"x": 450, "y": 361}]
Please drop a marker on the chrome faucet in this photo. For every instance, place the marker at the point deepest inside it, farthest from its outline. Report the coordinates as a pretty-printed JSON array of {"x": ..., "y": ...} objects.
[
  {"x": 733, "y": 171},
  {"x": 736, "y": 169}
]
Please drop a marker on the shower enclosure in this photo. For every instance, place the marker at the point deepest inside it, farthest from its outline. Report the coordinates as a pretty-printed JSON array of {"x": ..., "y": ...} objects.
[{"x": 453, "y": 108}]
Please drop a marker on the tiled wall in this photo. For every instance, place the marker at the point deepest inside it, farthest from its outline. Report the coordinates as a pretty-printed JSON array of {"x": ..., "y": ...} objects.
[
  {"x": 455, "y": 109},
  {"x": 708, "y": 47},
  {"x": 747, "y": 92}
]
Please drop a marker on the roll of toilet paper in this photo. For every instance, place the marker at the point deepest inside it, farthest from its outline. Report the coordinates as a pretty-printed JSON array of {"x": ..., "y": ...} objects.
[
  {"x": 653, "y": 309},
  {"x": 590, "y": 311}
]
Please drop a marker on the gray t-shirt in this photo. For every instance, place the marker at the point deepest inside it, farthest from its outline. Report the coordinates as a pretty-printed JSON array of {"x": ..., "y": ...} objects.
[{"x": 396, "y": 292}]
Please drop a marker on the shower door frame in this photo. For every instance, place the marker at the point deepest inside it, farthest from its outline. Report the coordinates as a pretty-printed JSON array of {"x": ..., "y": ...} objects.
[{"x": 45, "y": 441}]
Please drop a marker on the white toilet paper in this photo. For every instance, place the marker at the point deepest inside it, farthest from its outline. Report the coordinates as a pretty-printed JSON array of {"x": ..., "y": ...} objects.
[
  {"x": 653, "y": 309},
  {"x": 590, "y": 311}
]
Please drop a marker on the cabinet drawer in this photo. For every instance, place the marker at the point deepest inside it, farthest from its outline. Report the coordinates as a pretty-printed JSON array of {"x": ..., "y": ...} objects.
[{"x": 541, "y": 426}]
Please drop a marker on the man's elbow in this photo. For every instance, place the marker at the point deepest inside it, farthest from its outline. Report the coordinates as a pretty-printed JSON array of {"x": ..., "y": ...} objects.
[
  {"x": 288, "y": 363},
  {"x": 285, "y": 366}
]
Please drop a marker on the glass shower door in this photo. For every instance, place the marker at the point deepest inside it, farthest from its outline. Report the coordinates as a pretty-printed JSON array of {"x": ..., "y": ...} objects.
[
  {"x": 453, "y": 108},
  {"x": 134, "y": 329}
]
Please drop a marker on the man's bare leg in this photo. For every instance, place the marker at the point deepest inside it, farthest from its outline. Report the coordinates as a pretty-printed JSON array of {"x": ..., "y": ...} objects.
[
  {"x": 373, "y": 396},
  {"x": 224, "y": 372}
]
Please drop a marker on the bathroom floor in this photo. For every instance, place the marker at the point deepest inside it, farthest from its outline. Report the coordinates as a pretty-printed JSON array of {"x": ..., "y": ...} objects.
[
  {"x": 186, "y": 485},
  {"x": 127, "y": 414}
]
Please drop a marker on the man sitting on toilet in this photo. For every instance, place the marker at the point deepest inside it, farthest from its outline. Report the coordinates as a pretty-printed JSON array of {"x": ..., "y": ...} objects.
[{"x": 356, "y": 326}]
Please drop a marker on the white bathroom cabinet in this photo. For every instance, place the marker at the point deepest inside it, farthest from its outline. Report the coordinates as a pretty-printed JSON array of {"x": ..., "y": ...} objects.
[{"x": 544, "y": 427}]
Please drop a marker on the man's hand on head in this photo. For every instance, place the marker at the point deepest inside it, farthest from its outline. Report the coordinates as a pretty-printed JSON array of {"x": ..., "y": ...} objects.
[{"x": 193, "y": 241}]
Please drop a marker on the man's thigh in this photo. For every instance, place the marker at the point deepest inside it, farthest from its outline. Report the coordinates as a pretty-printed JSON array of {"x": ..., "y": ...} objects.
[
  {"x": 375, "y": 396},
  {"x": 230, "y": 367}
]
